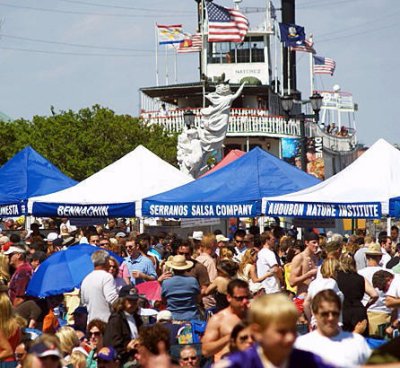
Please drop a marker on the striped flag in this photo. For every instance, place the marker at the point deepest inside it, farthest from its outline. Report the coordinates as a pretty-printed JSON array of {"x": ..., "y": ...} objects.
[
  {"x": 170, "y": 34},
  {"x": 225, "y": 24},
  {"x": 306, "y": 47},
  {"x": 323, "y": 65},
  {"x": 192, "y": 43}
]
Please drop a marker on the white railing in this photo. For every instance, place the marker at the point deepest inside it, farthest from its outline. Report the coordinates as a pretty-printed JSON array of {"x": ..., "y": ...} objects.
[
  {"x": 247, "y": 122},
  {"x": 333, "y": 142}
]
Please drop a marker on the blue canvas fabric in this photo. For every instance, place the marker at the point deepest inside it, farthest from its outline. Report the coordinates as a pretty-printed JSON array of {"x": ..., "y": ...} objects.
[
  {"x": 235, "y": 190},
  {"x": 26, "y": 175}
]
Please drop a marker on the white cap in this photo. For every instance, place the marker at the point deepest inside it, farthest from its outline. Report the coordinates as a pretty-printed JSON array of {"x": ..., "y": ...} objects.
[
  {"x": 13, "y": 249},
  {"x": 197, "y": 235},
  {"x": 51, "y": 236},
  {"x": 164, "y": 315},
  {"x": 221, "y": 238}
]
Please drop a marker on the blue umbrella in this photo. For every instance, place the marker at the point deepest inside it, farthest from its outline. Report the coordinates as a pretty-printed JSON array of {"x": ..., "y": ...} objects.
[{"x": 63, "y": 271}]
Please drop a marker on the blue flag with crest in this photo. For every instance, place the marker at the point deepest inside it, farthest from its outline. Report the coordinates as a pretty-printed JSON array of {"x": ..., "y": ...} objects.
[{"x": 292, "y": 35}]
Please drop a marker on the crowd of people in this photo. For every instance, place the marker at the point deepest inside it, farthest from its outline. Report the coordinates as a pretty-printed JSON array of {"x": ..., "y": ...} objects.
[{"x": 256, "y": 300}]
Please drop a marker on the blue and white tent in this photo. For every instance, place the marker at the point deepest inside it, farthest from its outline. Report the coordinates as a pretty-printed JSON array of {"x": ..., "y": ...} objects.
[
  {"x": 112, "y": 191},
  {"x": 235, "y": 190},
  {"x": 361, "y": 190},
  {"x": 25, "y": 175}
]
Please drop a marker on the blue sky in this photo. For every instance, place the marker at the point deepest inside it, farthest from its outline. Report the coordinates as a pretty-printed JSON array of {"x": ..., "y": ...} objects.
[{"x": 76, "y": 53}]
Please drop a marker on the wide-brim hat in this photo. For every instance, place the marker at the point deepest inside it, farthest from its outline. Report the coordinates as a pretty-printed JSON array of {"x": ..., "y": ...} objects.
[
  {"x": 179, "y": 262},
  {"x": 374, "y": 250}
]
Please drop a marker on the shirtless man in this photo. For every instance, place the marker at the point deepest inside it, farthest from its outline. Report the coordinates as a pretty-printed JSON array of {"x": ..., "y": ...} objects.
[
  {"x": 216, "y": 338},
  {"x": 304, "y": 265}
]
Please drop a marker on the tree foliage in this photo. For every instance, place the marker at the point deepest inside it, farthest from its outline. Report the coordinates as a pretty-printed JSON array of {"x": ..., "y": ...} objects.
[{"x": 82, "y": 143}]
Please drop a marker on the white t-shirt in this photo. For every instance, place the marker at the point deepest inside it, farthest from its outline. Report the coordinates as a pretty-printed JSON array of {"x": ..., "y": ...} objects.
[
  {"x": 347, "y": 349},
  {"x": 385, "y": 258},
  {"x": 394, "y": 290},
  {"x": 379, "y": 305},
  {"x": 266, "y": 260},
  {"x": 98, "y": 292}
]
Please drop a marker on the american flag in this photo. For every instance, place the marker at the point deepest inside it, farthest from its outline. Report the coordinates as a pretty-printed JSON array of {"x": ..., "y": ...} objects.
[
  {"x": 323, "y": 65},
  {"x": 225, "y": 24},
  {"x": 306, "y": 47},
  {"x": 192, "y": 43}
]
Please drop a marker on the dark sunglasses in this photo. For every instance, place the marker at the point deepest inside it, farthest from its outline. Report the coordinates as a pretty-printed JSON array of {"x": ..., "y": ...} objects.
[
  {"x": 239, "y": 241},
  {"x": 241, "y": 298},
  {"x": 189, "y": 358},
  {"x": 327, "y": 314},
  {"x": 245, "y": 338},
  {"x": 96, "y": 333}
]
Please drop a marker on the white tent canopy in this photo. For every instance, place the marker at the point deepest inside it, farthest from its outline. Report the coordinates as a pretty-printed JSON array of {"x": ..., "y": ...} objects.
[
  {"x": 113, "y": 190},
  {"x": 361, "y": 190}
]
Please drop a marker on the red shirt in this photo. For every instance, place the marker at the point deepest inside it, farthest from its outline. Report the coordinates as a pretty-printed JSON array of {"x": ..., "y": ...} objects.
[{"x": 19, "y": 281}]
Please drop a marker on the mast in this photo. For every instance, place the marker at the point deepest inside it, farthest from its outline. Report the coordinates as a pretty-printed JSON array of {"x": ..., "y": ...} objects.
[{"x": 289, "y": 57}]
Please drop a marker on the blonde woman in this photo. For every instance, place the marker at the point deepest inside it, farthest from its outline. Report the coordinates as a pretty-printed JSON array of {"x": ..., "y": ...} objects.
[
  {"x": 329, "y": 269},
  {"x": 245, "y": 266},
  {"x": 68, "y": 341},
  {"x": 10, "y": 329},
  {"x": 4, "y": 270}
]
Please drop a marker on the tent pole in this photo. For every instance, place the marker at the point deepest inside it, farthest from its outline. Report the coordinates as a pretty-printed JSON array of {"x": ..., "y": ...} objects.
[{"x": 388, "y": 225}]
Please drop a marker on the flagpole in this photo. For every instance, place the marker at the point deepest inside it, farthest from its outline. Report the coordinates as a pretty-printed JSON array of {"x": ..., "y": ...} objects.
[
  {"x": 275, "y": 58},
  {"x": 176, "y": 64},
  {"x": 311, "y": 58},
  {"x": 282, "y": 72},
  {"x": 203, "y": 52},
  {"x": 156, "y": 45},
  {"x": 166, "y": 65},
  {"x": 289, "y": 76}
]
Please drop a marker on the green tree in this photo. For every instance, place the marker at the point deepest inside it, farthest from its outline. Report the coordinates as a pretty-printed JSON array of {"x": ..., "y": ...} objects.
[{"x": 82, "y": 143}]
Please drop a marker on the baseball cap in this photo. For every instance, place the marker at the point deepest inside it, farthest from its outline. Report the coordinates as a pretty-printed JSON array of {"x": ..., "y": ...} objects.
[
  {"x": 129, "y": 292},
  {"x": 14, "y": 249},
  {"x": 41, "y": 350},
  {"x": 80, "y": 310},
  {"x": 197, "y": 235},
  {"x": 107, "y": 353},
  {"x": 51, "y": 236},
  {"x": 221, "y": 238}
]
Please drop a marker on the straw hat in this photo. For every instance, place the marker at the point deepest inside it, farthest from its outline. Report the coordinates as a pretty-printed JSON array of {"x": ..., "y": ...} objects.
[
  {"x": 179, "y": 262},
  {"x": 374, "y": 250}
]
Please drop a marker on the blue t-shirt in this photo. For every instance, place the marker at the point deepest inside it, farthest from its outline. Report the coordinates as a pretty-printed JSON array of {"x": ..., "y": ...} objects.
[
  {"x": 181, "y": 293},
  {"x": 142, "y": 264}
]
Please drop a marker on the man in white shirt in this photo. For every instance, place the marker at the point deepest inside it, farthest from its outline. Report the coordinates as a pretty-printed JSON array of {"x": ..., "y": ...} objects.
[
  {"x": 386, "y": 248},
  {"x": 337, "y": 347},
  {"x": 267, "y": 264},
  {"x": 98, "y": 289},
  {"x": 378, "y": 313}
]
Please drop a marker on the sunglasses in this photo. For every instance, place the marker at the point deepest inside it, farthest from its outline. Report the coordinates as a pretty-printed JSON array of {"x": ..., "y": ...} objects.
[
  {"x": 327, "y": 314},
  {"x": 96, "y": 333},
  {"x": 189, "y": 358},
  {"x": 245, "y": 338},
  {"x": 241, "y": 298},
  {"x": 239, "y": 241}
]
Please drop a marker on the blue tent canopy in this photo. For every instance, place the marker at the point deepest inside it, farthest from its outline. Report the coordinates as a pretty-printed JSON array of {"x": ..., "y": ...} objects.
[
  {"x": 394, "y": 207},
  {"x": 235, "y": 190},
  {"x": 25, "y": 175}
]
